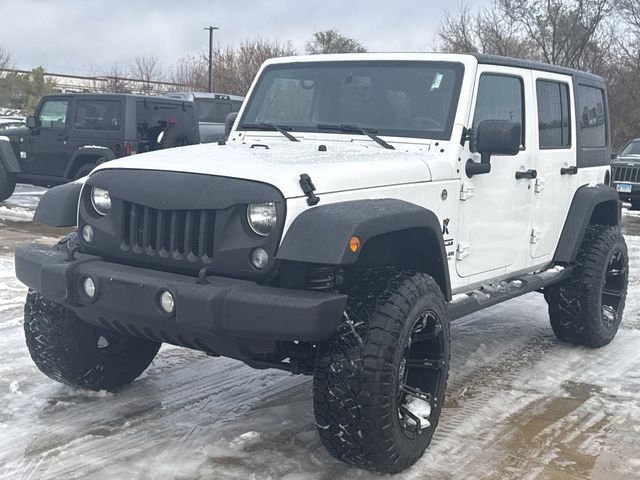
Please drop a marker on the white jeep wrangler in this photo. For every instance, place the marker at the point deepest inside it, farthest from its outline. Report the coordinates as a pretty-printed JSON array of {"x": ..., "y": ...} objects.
[{"x": 360, "y": 204}]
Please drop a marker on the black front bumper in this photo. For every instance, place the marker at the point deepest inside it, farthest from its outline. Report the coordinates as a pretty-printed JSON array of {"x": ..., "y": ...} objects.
[{"x": 128, "y": 296}]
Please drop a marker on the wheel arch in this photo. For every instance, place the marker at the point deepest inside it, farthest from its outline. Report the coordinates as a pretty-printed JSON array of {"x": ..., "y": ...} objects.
[
  {"x": 84, "y": 155},
  {"x": 390, "y": 230},
  {"x": 59, "y": 206},
  {"x": 8, "y": 156},
  {"x": 591, "y": 205}
]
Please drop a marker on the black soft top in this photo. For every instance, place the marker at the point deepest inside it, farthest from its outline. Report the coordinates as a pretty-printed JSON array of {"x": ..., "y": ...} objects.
[{"x": 531, "y": 65}]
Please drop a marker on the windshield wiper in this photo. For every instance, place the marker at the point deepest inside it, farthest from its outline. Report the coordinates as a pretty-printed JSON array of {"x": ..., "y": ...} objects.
[
  {"x": 369, "y": 132},
  {"x": 272, "y": 126}
]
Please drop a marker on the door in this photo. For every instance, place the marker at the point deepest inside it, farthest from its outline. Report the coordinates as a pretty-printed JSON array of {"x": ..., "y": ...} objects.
[
  {"x": 48, "y": 151},
  {"x": 555, "y": 160},
  {"x": 495, "y": 211}
]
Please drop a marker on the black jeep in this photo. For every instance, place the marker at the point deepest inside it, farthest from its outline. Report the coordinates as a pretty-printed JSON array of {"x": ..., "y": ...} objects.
[{"x": 72, "y": 133}]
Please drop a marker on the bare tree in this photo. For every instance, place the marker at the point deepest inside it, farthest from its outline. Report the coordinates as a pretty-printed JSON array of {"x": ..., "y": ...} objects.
[
  {"x": 234, "y": 68},
  {"x": 5, "y": 58},
  {"x": 191, "y": 71},
  {"x": 330, "y": 41},
  {"x": 563, "y": 32},
  {"x": 147, "y": 69}
]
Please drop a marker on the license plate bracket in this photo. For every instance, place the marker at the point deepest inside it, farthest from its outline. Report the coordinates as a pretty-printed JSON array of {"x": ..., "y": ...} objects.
[{"x": 624, "y": 187}]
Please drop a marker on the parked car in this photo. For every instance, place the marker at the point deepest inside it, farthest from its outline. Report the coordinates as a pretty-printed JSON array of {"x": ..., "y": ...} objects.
[
  {"x": 625, "y": 171},
  {"x": 11, "y": 122},
  {"x": 72, "y": 133},
  {"x": 212, "y": 110},
  {"x": 361, "y": 203}
]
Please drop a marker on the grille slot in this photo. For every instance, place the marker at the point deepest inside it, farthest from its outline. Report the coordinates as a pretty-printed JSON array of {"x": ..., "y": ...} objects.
[
  {"x": 179, "y": 234},
  {"x": 626, "y": 174}
]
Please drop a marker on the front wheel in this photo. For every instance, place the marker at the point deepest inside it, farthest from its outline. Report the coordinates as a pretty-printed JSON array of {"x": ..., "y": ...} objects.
[
  {"x": 379, "y": 384},
  {"x": 73, "y": 352},
  {"x": 586, "y": 309},
  {"x": 7, "y": 182}
]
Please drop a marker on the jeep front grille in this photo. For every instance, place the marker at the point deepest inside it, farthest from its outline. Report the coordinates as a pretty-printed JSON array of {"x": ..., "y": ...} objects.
[
  {"x": 178, "y": 234},
  {"x": 626, "y": 174}
]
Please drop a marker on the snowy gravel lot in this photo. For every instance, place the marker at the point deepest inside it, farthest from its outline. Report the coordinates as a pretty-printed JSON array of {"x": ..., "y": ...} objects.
[{"x": 519, "y": 405}]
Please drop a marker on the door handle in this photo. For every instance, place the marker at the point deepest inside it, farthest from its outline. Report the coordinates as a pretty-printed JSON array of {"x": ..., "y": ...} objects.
[
  {"x": 530, "y": 174},
  {"x": 569, "y": 170},
  {"x": 62, "y": 137}
]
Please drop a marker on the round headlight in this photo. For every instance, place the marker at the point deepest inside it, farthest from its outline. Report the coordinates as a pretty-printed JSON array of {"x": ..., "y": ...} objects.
[
  {"x": 262, "y": 217},
  {"x": 101, "y": 200}
]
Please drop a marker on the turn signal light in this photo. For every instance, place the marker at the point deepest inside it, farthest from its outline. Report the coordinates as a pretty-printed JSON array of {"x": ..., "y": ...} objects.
[{"x": 354, "y": 244}]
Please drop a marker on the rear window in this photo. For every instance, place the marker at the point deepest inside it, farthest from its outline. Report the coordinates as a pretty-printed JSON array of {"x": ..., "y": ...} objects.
[
  {"x": 154, "y": 115},
  {"x": 98, "y": 115},
  {"x": 591, "y": 116},
  {"x": 213, "y": 110}
]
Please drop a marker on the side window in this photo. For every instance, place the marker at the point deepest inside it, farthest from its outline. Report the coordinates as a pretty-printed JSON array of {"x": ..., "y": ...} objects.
[
  {"x": 500, "y": 97},
  {"x": 53, "y": 114},
  {"x": 554, "y": 126},
  {"x": 98, "y": 115},
  {"x": 591, "y": 117}
]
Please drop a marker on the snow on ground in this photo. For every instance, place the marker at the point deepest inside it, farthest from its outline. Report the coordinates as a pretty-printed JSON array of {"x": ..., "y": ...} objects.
[{"x": 519, "y": 405}]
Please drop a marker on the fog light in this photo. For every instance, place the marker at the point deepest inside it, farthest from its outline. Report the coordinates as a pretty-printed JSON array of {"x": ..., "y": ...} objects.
[
  {"x": 259, "y": 258},
  {"x": 87, "y": 233},
  {"x": 167, "y": 303},
  {"x": 89, "y": 287}
]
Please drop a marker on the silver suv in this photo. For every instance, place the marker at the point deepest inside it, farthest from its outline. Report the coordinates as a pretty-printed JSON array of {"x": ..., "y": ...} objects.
[{"x": 212, "y": 110}]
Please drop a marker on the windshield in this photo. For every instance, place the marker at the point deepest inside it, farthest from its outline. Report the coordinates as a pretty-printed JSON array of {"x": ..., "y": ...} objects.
[
  {"x": 632, "y": 149},
  {"x": 394, "y": 98}
]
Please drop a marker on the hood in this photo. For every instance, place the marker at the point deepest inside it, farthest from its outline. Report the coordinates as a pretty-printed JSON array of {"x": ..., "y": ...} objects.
[
  {"x": 13, "y": 132},
  {"x": 343, "y": 166},
  {"x": 627, "y": 160}
]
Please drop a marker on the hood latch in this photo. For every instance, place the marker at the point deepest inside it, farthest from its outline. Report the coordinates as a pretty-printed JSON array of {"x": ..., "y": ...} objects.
[{"x": 308, "y": 188}]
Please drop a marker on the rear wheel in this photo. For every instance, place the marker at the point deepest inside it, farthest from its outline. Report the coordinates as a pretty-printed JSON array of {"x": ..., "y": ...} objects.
[
  {"x": 379, "y": 384},
  {"x": 586, "y": 309},
  {"x": 7, "y": 182}
]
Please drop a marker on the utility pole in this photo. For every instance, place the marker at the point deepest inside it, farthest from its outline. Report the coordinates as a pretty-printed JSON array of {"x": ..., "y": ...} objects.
[{"x": 211, "y": 29}]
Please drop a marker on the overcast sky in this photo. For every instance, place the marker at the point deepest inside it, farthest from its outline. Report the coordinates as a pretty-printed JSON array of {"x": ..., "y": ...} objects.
[{"x": 88, "y": 36}]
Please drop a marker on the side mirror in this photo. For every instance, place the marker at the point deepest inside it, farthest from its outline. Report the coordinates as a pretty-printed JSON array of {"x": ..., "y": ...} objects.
[
  {"x": 494, "y": 137},
  {"x": 228, "y": 124},
  {"x": 613, "y": 156},
  {"x": 31, "y": 121}
]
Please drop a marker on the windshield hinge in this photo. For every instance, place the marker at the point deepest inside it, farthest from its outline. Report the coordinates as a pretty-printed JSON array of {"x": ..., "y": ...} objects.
[
  {"x": 308, "y": 188},
  {"x": 467, "y": 134}
]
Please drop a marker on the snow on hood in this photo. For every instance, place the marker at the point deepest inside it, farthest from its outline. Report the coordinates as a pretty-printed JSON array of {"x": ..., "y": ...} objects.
[{"x": 344, "y": 166}]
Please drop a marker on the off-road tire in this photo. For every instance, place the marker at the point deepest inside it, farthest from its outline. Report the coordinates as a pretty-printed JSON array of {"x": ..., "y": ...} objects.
[
  {"x": 7, "y": 182},
  {"x": 173, "y": 136},
  {"x": 576, "y": 304},
  {"x": 84, "y": 170},
  {"x": 358, "y": 372},
  {"x": 76, "y": 353}
]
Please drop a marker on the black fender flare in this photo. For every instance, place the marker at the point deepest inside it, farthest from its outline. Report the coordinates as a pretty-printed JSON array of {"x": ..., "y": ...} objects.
[
  {"x": 59, "y": 206},
  {"x": 8, "y": 156},
  {"x": 88, "y": 150},
  {"x": 598, "y": 204},
  {"x": 321, "y": 234}
]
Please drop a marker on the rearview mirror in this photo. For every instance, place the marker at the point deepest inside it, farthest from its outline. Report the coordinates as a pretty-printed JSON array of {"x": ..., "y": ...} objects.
[
  {"x": 493, "y": 137},
  {"x": 31, "y": 121},
  {"x": 228, "y": 124}
]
